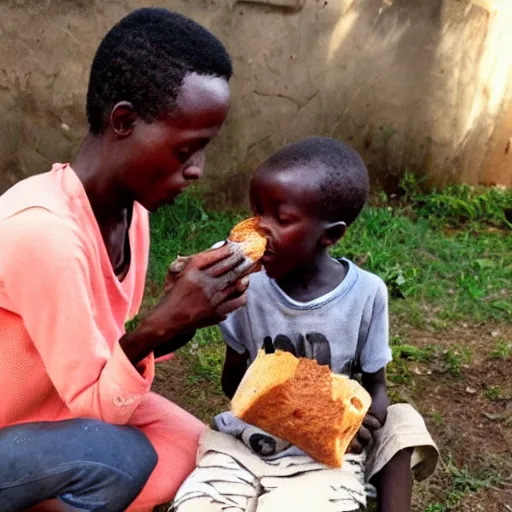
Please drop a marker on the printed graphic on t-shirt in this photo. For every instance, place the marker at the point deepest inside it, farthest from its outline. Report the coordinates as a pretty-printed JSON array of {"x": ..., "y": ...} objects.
[{"x": 313, "y": 345}]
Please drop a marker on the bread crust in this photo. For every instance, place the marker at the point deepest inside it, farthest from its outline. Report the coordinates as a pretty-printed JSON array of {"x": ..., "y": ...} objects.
[
  {"x": 304, "y": 404},
  {"x": 251, "y": 238}
]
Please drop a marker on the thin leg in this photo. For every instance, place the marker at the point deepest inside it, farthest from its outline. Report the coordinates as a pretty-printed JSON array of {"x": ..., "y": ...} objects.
[{"x": 394, "y": 484}]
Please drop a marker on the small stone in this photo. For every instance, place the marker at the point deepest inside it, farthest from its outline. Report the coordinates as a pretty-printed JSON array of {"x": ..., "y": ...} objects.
[{"x": 471, "y": 391}]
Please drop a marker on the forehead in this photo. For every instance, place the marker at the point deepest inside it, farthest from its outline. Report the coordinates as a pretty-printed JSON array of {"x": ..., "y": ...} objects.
[
  {"x": 290, "y": 186},
  {"x": 202, "y": 103}
]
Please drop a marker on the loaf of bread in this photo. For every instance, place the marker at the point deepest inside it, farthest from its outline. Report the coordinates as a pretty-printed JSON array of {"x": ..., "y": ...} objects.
[
  {"x": 303, "y": 403},
  {"x": 250, "y": 237}
]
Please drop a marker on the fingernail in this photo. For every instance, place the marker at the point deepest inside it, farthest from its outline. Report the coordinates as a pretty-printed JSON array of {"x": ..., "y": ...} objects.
[
  {"x": 245, "y": 281},
  {"x": 218, "y": 245}
]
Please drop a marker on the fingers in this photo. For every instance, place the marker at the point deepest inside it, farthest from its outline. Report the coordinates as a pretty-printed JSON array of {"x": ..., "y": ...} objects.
[
  {"x": 364, "y": 436},
  {"x": 208, "y": 258},
  {"x": 371, "y": 422},
  {"x": 232, "y": 305},
  {"x": 232, "y": 276},
  {"x": 236, "y": 260},
  {"x": 355, "y": 447},
  {"x": 231, "y": 292}
]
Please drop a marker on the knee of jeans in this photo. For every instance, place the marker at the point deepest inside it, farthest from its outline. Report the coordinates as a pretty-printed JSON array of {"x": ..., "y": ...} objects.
[
  {"x": 135, "y": 454},
  {"x": 147, "y": 457}
]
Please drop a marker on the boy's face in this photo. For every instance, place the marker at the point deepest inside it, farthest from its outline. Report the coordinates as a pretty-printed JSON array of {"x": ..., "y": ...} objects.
[
  {"x": 287, "y": 204},
  {"x": 160, "y": 159}
]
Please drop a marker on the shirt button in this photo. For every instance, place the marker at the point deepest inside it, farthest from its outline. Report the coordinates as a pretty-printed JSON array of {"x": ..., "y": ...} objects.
[{"x": 118, "y": 401}]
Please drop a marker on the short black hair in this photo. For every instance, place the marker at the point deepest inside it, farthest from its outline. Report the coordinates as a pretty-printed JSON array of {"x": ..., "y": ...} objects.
[
  {"x": 343, "y": 181},
  {"x": 144, "y": 60}
]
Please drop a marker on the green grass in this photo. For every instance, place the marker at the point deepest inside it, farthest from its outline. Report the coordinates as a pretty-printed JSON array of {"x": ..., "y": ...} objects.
[
  {"x": 459, "y": 204},
  {"x": 450, "y": 276},
  {"x": 493, "y": 393},
  {"x": 185, "y": 228},
  {"x": 502, "y": 351},
  {"x": 462, "y": 483}
]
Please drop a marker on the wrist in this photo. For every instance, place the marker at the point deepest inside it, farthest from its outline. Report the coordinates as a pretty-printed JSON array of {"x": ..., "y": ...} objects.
[
  {"x": 158, "y": 328},
  {"x": 143, "y": 340}
]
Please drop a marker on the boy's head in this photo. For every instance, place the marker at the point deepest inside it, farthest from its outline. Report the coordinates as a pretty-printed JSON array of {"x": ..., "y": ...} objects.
[
  {"x": 158, "y": 93},
  {"x": 307, "y": 194}
]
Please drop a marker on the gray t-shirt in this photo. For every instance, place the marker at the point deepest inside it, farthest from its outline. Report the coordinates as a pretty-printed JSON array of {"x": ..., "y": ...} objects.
[{"x": 346, "y": 328}]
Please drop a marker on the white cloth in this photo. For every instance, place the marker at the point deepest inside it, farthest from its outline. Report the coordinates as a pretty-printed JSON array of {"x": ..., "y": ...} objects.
[{"x": 231, "y": 478}]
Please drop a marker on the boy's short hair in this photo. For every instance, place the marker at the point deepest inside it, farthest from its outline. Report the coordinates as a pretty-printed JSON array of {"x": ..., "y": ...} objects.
[
  {"x": 144, "y": 60},
  {"x": 342, "y": 176}
]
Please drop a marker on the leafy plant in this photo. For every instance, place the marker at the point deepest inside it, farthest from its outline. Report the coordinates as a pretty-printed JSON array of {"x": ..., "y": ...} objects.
[{"x": 502, "y": 351}]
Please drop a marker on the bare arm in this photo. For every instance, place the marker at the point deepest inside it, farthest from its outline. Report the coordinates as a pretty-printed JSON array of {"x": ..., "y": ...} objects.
[
  {"x": 208, "y": 288},
  {"x": 375, "y": 384}
]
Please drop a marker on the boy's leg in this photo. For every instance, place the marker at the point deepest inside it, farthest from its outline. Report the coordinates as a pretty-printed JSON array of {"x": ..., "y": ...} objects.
[
  {"x": 85, "y": 464},
  {"x": 394, "y": 483},
  {"x": 403, "y": 448},
  {"x": 230, "y": 477}
]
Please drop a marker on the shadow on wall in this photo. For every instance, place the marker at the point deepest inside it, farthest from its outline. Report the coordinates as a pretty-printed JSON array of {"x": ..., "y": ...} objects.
[{"x": 412, "y": 85}]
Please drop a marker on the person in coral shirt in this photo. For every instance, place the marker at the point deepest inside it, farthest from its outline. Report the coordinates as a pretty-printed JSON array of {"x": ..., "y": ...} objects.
[{"x": 79, "y": 427}]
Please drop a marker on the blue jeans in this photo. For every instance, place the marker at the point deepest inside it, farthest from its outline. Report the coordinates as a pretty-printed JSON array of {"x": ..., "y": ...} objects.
[{"x": 87, "y": 464}]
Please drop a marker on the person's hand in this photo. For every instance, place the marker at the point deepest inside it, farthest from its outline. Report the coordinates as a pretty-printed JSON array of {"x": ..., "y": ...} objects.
[
  {"x": 201, "y": 291},
  {"x": 365, "y": 435}
]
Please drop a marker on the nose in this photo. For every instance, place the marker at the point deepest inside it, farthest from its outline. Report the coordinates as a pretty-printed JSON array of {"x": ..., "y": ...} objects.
[
  {"x": 194, "y": 167},
  {"x": 264, "y": 224},
  {"x": 193, "y": 172}
]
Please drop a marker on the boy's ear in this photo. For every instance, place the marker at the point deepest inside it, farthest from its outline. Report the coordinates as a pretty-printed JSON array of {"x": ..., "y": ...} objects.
[
  {"x": 123, "y": 118},
  {"x": 333, "y": 233}
]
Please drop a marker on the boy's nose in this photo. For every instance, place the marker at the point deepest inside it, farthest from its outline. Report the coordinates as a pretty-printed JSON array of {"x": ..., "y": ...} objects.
[{"x": 263, "y": 224}]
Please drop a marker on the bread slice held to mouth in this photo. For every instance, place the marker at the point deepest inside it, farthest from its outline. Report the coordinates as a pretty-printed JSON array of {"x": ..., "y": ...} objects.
[
  {"x": 250, "y": 237},
  {"x": 302, "y": 402}
]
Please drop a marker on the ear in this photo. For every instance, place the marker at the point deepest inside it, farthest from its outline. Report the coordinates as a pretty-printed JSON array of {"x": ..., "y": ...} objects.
[
  {"x": 333, "y": 233},
  {"x": 123, "y": 118}
]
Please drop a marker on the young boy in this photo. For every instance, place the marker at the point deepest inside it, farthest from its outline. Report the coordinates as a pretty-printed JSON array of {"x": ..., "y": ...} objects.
[{"x": 312, "y": 305}]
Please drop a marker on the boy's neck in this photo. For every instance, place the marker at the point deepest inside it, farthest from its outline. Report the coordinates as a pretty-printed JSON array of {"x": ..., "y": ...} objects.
[{"x": 317, "y": 278}]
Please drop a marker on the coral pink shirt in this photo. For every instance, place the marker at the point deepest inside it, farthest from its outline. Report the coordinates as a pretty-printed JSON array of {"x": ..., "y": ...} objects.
[{"x": 62, "y": 309}]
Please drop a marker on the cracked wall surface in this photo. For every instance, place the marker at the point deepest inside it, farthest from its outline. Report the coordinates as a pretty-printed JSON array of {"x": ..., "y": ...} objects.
[{"x": 413, "y": 85}]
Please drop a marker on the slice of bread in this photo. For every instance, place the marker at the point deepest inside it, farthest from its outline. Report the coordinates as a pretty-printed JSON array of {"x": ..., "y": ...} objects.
[
  {"x": 252, "y": 239},
  {"x": 303, "y": 403}
]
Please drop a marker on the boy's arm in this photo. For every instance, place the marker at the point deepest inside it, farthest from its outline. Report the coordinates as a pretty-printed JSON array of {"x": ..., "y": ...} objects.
[
  {"x": 235, "y": 366},
  {"x": 375, "y": 384}
]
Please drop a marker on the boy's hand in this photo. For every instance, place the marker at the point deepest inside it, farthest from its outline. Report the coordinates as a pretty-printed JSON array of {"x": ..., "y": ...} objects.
[{"x": 365, "y": 434}]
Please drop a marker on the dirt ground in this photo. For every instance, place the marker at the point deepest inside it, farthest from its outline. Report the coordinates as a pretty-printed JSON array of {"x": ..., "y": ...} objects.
[{"x": 469, "y": 415}]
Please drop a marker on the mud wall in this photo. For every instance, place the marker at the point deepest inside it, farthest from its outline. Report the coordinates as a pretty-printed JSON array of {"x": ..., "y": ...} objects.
[{"x": 413, "y": 85}]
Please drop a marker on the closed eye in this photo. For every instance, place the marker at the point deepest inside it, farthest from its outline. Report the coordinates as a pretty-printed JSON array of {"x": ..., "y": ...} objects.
[
  {"x": 183, "y": 154},
  {"x": 285, "y": 220}
]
